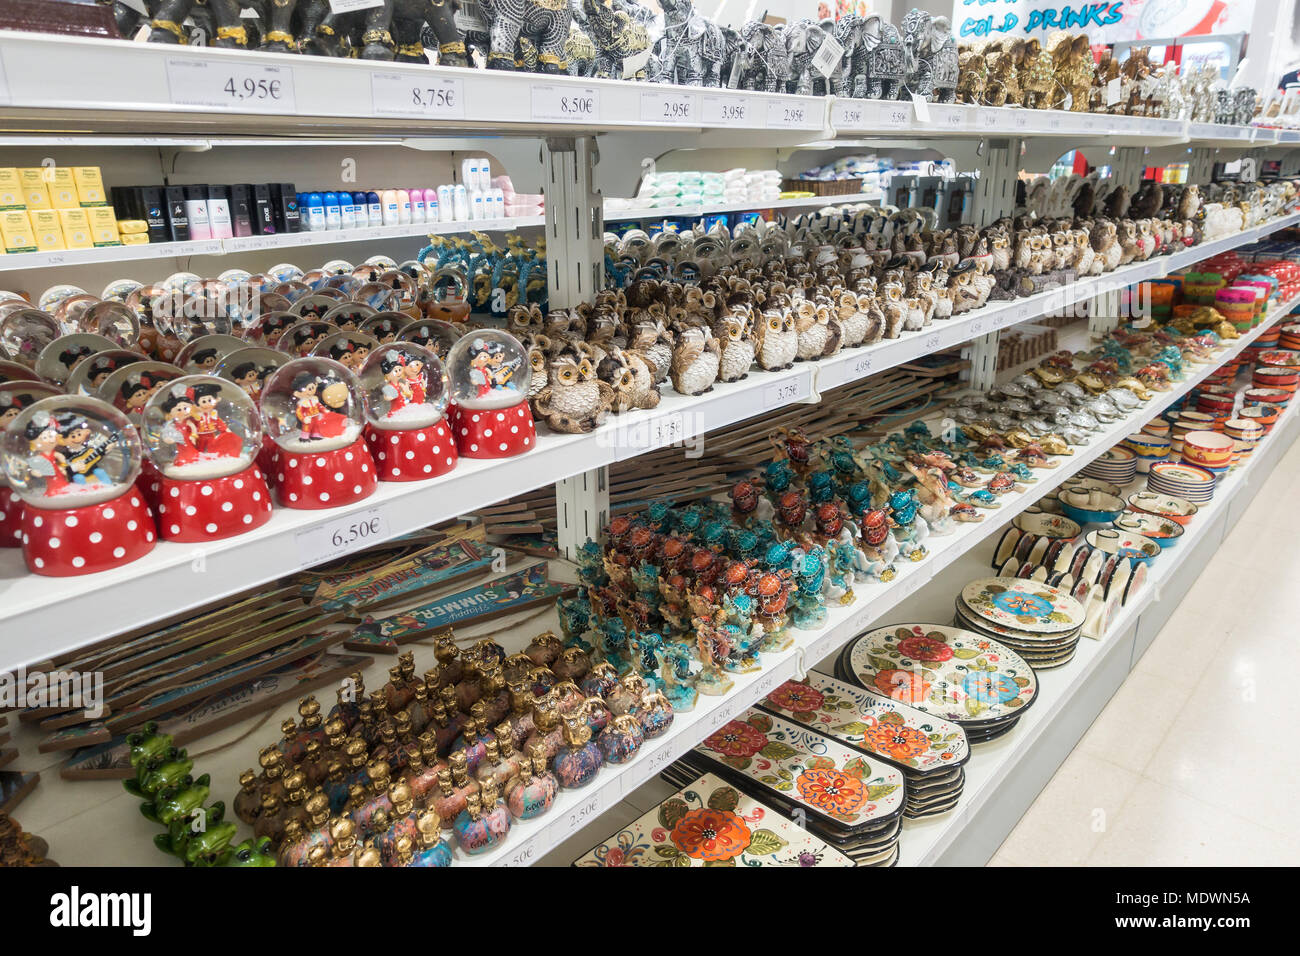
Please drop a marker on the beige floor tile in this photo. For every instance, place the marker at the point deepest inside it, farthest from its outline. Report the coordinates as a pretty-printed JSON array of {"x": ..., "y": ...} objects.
[
  {"x": 1161, "y": 826},
  {"x": 1131, "y": 727},
  {"x": 1070, "y": 816},
  {"x": 1001, "y": 858}
]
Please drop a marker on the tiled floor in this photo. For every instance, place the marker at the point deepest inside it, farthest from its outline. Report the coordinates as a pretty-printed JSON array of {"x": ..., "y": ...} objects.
[{"x": 1186, "y": 765}]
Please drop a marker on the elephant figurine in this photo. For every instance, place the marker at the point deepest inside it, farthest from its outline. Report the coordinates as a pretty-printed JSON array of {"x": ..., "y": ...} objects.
[
  {"x": 316, "y": 30},
  {"x": 691, "y": 49},
  {"x": 881, "y": 45},
  {"x": 803, "y": 39},
  {"x": 930, "y": 55},
  {"x": 166, "y": 24},
  {"x": 762, "y": 62},
  {"x": 394, "y": 31},
  {"x": 617, "y": 30},
  {"x": 540, "y": 26}
]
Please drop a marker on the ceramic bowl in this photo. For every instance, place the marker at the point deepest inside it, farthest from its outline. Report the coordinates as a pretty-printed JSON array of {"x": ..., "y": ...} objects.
[
  {"x": 1207, "y": 449},
  {"x": 1189, "y": 420},
  {"x": 1192, "y": 482},
  {"x": 1090, "y": 484},
  {"x": 1163, "y": 531},
  {"x": 1265, "y": 396},
  {"x": 1158, "y": 427},
  {"x": 1033, "y": 521},
  {"x": 1282, "y": 379},
  {"x": 1147, "y": 446},
  {"x": 1243, "y": 429},
  {"x": 1085, "y": 505},
  {"x": 1175, "y": 509},
  {"x": 1265, "y": 415},
  {"x": 1280, "y": 357},
  {"x": 1124, "y": 544}
]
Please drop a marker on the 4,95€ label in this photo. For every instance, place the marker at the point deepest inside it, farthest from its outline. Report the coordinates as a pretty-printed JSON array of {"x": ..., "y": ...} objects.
[{"x": 232, "y": 86}]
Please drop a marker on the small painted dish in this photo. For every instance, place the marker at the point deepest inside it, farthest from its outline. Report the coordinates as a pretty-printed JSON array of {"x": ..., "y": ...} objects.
[
  {"x": 1163, "y": 531},
  {"x": 1176, "y": 509},
  {"x": 1091, "y": 506},
  {"x": 1034, "y": 521},
  {"x": 1124, "y": 544},
  {"x": 1091, "y": 484}
]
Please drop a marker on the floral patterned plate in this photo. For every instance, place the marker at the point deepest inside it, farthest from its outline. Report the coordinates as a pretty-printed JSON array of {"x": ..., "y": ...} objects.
[
  {"x": 913, "y": 740},
  {"x": 1012, "y": 637},
  {"x": 711, "y": 823},
  {"x": 799, "y": 767},
  {"x": 944, "y": 671},
  {"x": 1023, "y": 605}
]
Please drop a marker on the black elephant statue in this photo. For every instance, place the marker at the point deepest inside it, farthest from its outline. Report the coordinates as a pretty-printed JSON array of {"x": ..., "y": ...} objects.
[{"x": 167, "y": 23}]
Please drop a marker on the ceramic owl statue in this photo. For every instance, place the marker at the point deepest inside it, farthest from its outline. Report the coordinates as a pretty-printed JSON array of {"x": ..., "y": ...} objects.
[
  {"x": 574, "y": 400},
  {"x": 696, "y": 360},
  {"x": 738, "y": 347},
  {"x": 778, "y": 343}
]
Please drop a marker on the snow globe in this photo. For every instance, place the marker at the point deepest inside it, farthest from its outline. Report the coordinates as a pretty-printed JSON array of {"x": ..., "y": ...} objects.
[
  {"x": 489, "y": 373},
  {"x": 405, "y": 392},
  {"x": 301, "y": 338},
  {"x": 88, "y": 375},
  {"x": 386, "y": 326},
  {"x": 60, "y": 357},
  {"x": 73, "y": 461},
  {"x": 311, "y": 409},
  {"x": 24, "y": 333},
  {"x": 249, "y": 368},
  {"x": 202, "y": 434},
  {"x": 14, "y": 397},
  {"x": 201, "y": 354},
  {"x": 269, "y": 326},
  {"x": 349, "y": 349}
]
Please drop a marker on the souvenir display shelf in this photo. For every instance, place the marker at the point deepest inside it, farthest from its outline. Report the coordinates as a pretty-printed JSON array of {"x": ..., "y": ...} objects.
[
  {"x": 322, "y": 96},
  {"x": 175, "y": 577},
  {"x": 295, "y": 240}
]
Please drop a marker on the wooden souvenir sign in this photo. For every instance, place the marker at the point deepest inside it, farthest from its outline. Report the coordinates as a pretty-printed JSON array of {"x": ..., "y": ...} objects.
[
  {"x": 798, "y": 767},
  {"x": 944, "y": 671},
  {"x": 711, "y": 823},
  {"x": 515, "y": 592},
  {"x": 289, "y": 681},
  {"x": 14, "y": 787},
  {"x": 908, "y": 738},
  {"x": 403, "y": 579},
  {"x": 204, "y": 681},
  {"x": 7, "y": 756}
]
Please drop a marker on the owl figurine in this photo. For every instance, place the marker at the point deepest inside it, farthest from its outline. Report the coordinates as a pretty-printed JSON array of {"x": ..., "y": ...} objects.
[
  {"x": 870, "y": 307},
  {"x": 738, "y": 347},
  {"x": 1083, "y": 252},
  {"x": 1128, "y": 242},
  {"x": 1000, "y": 250},
  {"x": 522, "y": 320},
  {"x": 574, "y": 399},
  {"x": 629, "y": 375},
  {"x": 853, "y": 321},
  {"x": 777, "y": 341},
  {"x": 920, "y": 288},
  {"x": 696, "y": 359},
  {"x": 537, "y": 362},
  {"x": 894, "y": 308},
  {"x": 942, "y": 295},
  {"x": 650, "y": 339}
]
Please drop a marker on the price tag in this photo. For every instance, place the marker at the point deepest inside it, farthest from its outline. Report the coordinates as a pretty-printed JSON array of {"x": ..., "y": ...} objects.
[
  {"x": 830, "y": 56},
  {"x": 575, "y": 818},
  {"x": 922, "y": 107},
  {"x": 1088, "y": 123},
  {"x": 861, "y": 367},
  {"x": 646, "y": 768},
  {"x": 438, "y": 98},
  {"x": 977, "y": 327},
  {"x": 346, "y": 533},
  {"x": 720, "y": 717},
  {"x": 572, "y": 103},
  {"x": 766, "y": 684},
  {"x": 348, "y": 6},
  {"x": 231, "y": 86},
  {"x": 729, "y": 111},
  {"x": 848, "y": 114},
  {"x": 895, "y": 115},
  {"x": 932, "y": 341},
  {"x": 789, "y": 115},
  {"x": 786, "y": 393},
  {"x": 1113, "y": 92},
  {"x": 670, "y": 108},
  {"x": 526, "y": 853}
]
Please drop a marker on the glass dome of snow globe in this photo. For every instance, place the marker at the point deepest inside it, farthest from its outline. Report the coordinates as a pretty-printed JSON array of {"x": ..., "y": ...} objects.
[
  {"x": 250, "y": 367},
  {"x": 70, "y": 451},
  {"x": 488, "y": 369},
  {"x": 404, "y": 386},
  {"x": 311, "y": 405},
  {"x": 201, "y": 426}
]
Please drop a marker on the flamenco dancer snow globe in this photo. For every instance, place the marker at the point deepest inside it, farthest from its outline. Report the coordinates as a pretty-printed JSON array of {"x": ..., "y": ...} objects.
[
  {"x": 310, "y": 407},
  {"x": 202, "y": 434},
  {"x": 14, "y": 397},
  {"x": 73, "y": 461},
  {"x": 405, "y": 391},
  {"x": 489, "y": 373}
]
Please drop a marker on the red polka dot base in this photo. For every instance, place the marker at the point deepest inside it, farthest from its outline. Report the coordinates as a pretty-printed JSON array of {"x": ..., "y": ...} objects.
[
  {"x": 326, "y": 479},
  {"x": 150, "y": 482},
  {"x": 412, "y": 454},
  {"x": 11, "y": 519},
  {"x": 494, "y": 432},
  {"x": 72, "y": 541},
  {"x": 266, "y": 458},
  {"x": 214, "y": 508}
]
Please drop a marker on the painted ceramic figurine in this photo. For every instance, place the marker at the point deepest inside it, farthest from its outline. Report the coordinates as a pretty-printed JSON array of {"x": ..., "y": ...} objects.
[{"x": 405, "y": 399}]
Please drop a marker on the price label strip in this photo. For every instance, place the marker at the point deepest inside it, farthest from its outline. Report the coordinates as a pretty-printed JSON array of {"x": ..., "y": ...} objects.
[
  {"x": 786, "y": 393},
  {"x": 438, "y": 98},
  {"x": 729, "y": 111},
  {"x": 848, "y": 114},
  {"x": 670, "y": 108},
  {"x": 789, "y": 115},
  {"x": 344, "y": 534},
  {"x": 231, "y": 86},
  {"x": 338, "y": 7},
  {"x": 646, "y": 768},
  {"x": 579, "y": 104},
  {"x": 526, "y": 853},
  {"x": 575, "y": 818}
]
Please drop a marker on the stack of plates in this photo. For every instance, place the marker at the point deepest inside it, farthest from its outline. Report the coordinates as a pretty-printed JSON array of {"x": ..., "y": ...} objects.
[
  {"x": 709, "y": 821},
  {"x": 930, "y": 751},
  {"x": 1148, "y": 448},
  {"x": 852, "y": 801},
  {"x": 1039, "y": 622},
  {"x": 1189, "y": 482},
  {"x": 1245, "y": 435},
  {"x": 1116, "y": 465},
  {"x": 977, "y": 683},
  {"x": 1289, "y": 335}
]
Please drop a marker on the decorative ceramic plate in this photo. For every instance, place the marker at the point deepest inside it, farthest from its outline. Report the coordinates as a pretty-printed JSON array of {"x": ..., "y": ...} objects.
[
  {"x": 1125, "y": 544},
  {"x": 950, "y": 673},
  {"x": 1012, "y": 637},
  {"x": 918, "y": 742},
  {"x": 711, "y": 823},
  {"x": 1179, "y": 510},
  {"x": 1024, "y": 605},
  {"x": 1161, "y": 530},
  {"x": 1091, "y": 484},
  {"x": 833, "y": 783},
  {"x": 1047, "y": 525},
  {"x": 1281, "y": 357},
  {"x": 1181, "y": 473}
]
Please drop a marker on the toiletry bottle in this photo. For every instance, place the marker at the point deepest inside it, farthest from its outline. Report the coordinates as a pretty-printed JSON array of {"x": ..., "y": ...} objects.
[
  {"x": 417, "y": 206},
  {"x": 333, "y": 213},
  {"x": 347, "y": 211},
  {"x": 196, "y": 211},
  {"x": 374, "y": 209},
  {"x": 391, "y": 208},
  {"x": 403, "y": 207},
  {"x": 446, "y": 206}
]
